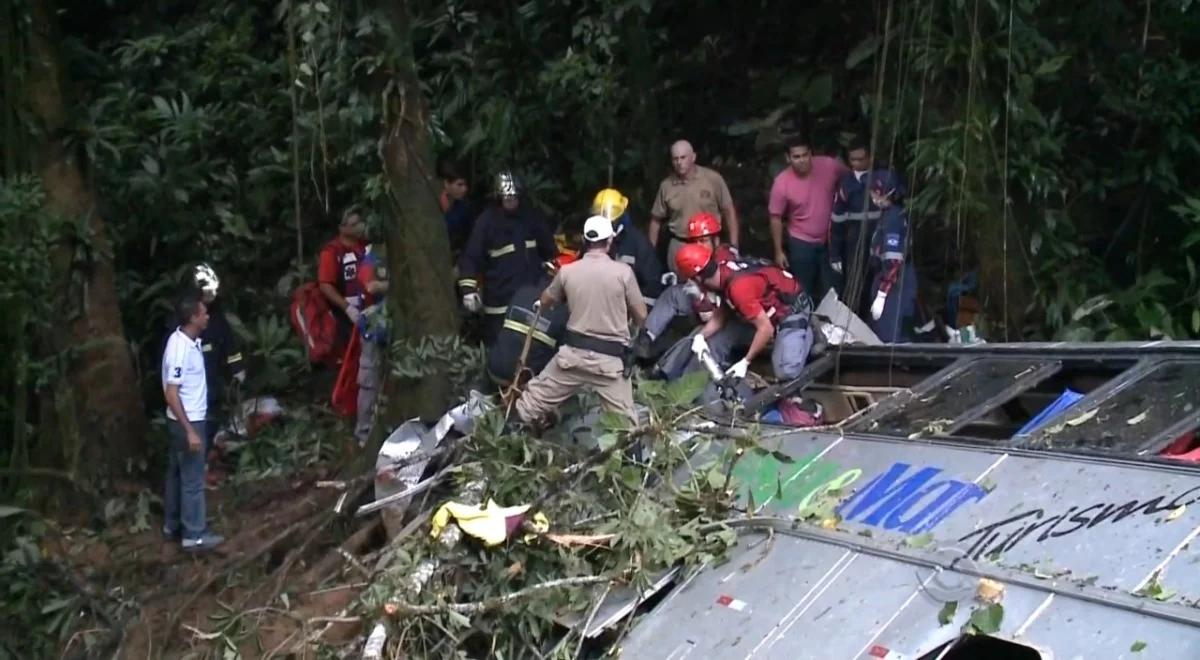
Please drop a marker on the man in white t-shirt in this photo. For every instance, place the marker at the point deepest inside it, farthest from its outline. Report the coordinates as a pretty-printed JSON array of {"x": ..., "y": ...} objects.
[{"x": 186, "y": 392}]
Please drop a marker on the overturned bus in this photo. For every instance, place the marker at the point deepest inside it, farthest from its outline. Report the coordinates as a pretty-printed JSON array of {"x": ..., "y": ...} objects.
[
  {"x": 1009, "y": 501},
  {"x": 996, "y": 500}
]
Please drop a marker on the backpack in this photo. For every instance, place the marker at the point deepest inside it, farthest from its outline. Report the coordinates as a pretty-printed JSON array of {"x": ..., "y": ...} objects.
[{"x": 314, "y": 323}]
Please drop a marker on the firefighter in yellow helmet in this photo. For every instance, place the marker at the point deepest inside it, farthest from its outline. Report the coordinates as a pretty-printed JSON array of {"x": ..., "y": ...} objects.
[{"x": 630, "y": 246}]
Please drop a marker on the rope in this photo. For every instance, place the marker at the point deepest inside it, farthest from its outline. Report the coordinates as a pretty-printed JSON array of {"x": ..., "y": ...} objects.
[
  {"x": 1007, "y": 201},
  {"x": 880, "y": 73}
]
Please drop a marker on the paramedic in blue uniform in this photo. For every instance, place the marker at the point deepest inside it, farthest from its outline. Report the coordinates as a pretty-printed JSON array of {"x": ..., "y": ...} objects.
[
  {"x": 507, "y": 248},
  {"x": 854, "y": 219},
  {"x": 893, "y": 280}
]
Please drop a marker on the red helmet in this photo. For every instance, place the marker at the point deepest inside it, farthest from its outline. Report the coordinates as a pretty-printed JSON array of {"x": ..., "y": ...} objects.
[
  {"x": 703, "y": 224},
  {"x": 693, "y": 260}
]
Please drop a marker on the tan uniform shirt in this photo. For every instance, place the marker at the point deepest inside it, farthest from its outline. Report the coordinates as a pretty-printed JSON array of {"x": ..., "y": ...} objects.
[
  {"x": 601, "y": 293},
  {"x": 679, "y": 199}
]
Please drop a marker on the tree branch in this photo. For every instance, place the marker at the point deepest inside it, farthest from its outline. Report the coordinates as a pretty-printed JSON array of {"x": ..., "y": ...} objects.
[{"x": 489, "y": 604}]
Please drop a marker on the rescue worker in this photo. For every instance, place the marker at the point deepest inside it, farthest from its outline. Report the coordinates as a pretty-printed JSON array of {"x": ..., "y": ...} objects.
[
  {"x": 854, "y": 219},
  {"x": 685, "y": 299},
  {"x": 506, "y": 250},
  {"x": 504, "y": 353},
  {"x": 604, "y": 301},
  {"x": 630, "y": 245},
  {"x": 337, "y": 273},
  {"x": 893, "y": 283},
  {"x": 691, "y": 189},
  {"x": 373, "y": 326},
  {"x": 803, "y": 193},
  {"x": 762, "y": 303}
]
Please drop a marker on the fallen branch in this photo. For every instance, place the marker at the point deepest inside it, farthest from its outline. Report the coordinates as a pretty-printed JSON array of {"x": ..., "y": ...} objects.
[
  {"x": 489, "y": 604},
  {"x": 408, "y": 492}
]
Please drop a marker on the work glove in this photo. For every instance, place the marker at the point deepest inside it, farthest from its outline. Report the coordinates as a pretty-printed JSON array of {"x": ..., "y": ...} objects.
[
  {"x": 239, "y": 377},
  {"x": 837, "y": 267},
  {"x": 734, "y": 250},
  {"x": 537, "y": 305},
  {"x": 738, "y": 370},
  {"x": 877, "y": 306},
  {"x": 353, "y": 313},
  {"x": 472, "y": 303},
  {"x": 691, "y": 289},
  {"x": 669, "y": 279},
  {"x": 699, "y": 344}
]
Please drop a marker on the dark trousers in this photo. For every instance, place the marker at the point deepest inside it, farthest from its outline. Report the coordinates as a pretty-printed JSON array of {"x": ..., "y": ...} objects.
[
  {"x": 809, "y": 263},
  {"x": 183, "y": 498}
]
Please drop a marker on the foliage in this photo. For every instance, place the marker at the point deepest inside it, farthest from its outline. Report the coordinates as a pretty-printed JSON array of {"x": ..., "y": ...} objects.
[
  {"x": 28, "y": 234},
  {"x": 42, "y": 611},
  {"x": 460, "y": 361},
  {"x": 609, "y": 494}
]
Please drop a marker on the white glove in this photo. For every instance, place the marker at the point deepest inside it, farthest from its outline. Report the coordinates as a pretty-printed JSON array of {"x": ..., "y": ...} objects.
[
  {"x": 353, "y": 313},
  {"x": 472, "y": 302},
  {"x": 733, "y": 249},
  {"x": 691, "y": 289},
  {"x": 669, "y": 279},
  {"x": 837, "y": 267},
  {"x": 877, "y": 306},
  {"x": 699, "y": 344},
  {"x": 537, "y": 305},
  {"x": 705, "y": 316},
  {"x": 738, "y": 370},
  {"x": 239, "y": 377}
]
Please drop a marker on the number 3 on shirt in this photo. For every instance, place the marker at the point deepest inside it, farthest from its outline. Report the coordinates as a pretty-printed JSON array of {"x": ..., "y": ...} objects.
[{"x": 178, "y": 372}]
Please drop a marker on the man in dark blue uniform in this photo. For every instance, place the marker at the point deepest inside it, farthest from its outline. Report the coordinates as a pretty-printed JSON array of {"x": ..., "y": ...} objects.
[
  {"x": 508, "y": 245},
  {"x": 893, "y": 280},
  {"x": 854, "y": 219},
  {"x": 504, "y": 353}
]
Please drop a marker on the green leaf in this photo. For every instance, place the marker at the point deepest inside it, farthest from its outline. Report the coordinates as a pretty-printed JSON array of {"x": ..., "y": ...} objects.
[
  {"x": 685, "y": 390},
  {"x": 1051, "y": 66},
  {"x": 862, "y": 52},
  {"x": 1196, "y": 320},
  {"x": 6, "y": 511},
  {"x": 946, "y": 615},
  {"x": 459, "y": 619},
  {"x": 919, "y": 541},
  {"x": 1138, "y": 646},
  {"x": 820, "y": 93},
  {"x": 987, "y": 619}
]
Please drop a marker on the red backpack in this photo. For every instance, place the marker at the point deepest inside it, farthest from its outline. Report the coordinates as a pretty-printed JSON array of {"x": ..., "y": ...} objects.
[{"x": 314, "y": 324}]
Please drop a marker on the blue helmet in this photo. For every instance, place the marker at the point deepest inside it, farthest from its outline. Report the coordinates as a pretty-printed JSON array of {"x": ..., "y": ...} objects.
[{"x": 887, "y": 182}]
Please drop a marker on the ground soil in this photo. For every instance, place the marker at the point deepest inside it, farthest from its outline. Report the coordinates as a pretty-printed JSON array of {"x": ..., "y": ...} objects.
[{"x": 258, "y": 592}]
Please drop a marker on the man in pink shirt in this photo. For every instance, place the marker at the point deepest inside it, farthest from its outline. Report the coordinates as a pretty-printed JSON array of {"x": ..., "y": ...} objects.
[{"x": 803, "y": 193}]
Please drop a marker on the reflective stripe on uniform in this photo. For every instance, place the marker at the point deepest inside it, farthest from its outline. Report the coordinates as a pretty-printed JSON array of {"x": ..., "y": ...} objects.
[
  {"x": 649, "y": 301},
  {"x": 503, "y": 309},
  {"x": 501, "y": 251},
  {"x": 869, "y": 215},
  {"x": 839, "y": 217},
  {"x": 523, "y": 329},
  {"x": 466, "y": 282},
  {"x": 893, "y": 256},
  {"x": 530, "y": 243},
  {"x": 236, "y": 357}
]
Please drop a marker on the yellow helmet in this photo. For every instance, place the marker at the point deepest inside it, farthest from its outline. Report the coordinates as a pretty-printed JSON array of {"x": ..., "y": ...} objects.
[{"x": 610, "y": 203}]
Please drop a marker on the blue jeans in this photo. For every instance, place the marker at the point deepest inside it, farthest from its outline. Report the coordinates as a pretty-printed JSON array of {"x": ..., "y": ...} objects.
[
  {"x": 810, "y": 265},
  {"x": 183, "y": 500}
]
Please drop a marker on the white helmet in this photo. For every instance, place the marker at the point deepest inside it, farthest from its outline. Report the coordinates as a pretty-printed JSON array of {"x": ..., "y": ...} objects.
[
  {"x": 205, "y": 279},
  {"x": 597, "y": 228}
]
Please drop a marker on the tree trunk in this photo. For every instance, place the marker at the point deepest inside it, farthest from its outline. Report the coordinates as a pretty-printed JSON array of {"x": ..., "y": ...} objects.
[
  {"x": 98, "y": 393},
  {"x": 421, "y": 303}
]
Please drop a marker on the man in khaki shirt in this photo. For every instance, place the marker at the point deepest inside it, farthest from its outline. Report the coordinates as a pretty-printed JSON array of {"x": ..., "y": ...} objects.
[
  {"x": 604, "y": 298},
  {"x": 691, "y": 189}
]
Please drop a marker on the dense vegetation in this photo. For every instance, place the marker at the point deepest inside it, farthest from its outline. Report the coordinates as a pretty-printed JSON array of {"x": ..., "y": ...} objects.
[{"x": 1050, "y": 147}]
